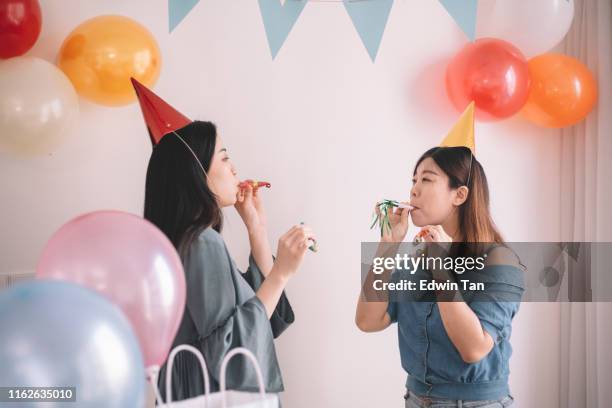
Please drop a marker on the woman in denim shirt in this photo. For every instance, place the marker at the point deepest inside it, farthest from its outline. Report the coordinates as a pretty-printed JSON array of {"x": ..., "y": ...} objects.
[{"x": 456, "y": 353}]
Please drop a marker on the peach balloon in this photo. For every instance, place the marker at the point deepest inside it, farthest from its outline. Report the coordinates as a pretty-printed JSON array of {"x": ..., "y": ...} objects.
[
  {"x": 101, "y": 54},
  {"x": 563, "y": 91}
]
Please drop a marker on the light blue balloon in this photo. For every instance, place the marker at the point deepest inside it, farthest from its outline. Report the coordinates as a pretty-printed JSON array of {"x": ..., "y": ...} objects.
[{"x": 58, "y": 334}]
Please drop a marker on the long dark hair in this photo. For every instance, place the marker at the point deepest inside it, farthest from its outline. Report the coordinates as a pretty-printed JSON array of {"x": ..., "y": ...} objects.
[
  {"x": 475, "y": 222},
  {"x": 177, "y": 197}
]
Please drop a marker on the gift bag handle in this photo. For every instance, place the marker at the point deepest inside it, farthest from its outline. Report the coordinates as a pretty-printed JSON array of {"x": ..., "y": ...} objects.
[
  {"x": 173, "y": 353},
  {"x": 250, "y": 356}
]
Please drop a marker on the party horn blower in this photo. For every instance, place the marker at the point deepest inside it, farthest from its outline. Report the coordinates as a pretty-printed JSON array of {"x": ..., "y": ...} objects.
[
  {"x": 383, "y": 219},
  {"x": 314, "y": 247},
  {"x": 255, "y": 184},
  {"x": 420, "y": 237}
]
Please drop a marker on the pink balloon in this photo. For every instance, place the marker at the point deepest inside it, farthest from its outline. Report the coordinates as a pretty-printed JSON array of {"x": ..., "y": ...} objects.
[{"x": 131, "y": 262}]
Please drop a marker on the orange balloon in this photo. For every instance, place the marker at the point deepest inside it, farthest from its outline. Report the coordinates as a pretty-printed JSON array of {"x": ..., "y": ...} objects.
[
  {"x": 563, "y": 91},
  {"x": 101, "y": 54}
]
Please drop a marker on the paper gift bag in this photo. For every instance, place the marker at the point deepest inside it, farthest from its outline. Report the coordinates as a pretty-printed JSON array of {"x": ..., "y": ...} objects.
[{"x": 224, "y": 398}]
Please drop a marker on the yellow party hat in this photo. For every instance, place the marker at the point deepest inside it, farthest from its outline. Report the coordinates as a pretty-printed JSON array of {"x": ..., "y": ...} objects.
[{"x": 462, "y": 134}]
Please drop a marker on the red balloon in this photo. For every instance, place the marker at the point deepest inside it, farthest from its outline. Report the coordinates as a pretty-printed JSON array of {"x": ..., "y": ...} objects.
[
  {"x": 20, "y": 22},
  {"x": 494, "y": 74}
]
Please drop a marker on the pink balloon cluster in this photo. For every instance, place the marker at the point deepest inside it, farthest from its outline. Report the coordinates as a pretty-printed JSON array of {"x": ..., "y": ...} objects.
[{"x": 129, "y": 261}]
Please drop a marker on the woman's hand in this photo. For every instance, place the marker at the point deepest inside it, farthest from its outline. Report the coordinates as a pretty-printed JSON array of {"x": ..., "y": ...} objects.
[
  {"x": 436, "y": 234},
  {"x": 250, "y": 208},
  {"x": 398, "y": 218},
  {"x": 291, "y": 249}
]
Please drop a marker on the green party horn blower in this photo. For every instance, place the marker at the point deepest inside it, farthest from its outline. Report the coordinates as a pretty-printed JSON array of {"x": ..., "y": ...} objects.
[
  {"x": 314, "y": 247},
  {"x": 385, "y": 206}
]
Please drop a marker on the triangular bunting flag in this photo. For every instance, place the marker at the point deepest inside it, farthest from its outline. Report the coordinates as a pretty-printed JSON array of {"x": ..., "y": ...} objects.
[
  {"x": 278, "y": 20},
  {"x": 178, "y": 10},
  {"x": 369, "y": 19},
  {"x": 464, "y": 13},
  {"x": 462, "y": 134}
]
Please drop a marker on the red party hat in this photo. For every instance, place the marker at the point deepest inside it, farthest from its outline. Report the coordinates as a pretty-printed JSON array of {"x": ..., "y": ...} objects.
[{"x": 159, "y": 116}]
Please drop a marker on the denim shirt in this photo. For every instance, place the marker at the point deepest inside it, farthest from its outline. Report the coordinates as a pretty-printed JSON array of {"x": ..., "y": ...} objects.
[{"x": 434, "y": 366}]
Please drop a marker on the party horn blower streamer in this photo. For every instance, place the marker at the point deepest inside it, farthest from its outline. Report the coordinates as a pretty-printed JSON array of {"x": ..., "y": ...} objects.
[{"x": 383, "y": 219}]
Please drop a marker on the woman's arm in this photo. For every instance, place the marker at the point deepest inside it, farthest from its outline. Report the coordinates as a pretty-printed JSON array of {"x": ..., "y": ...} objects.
[
  {"x": 371, "y": 314},
  {"x": 462, "y": 325},
  {"x": 250, "y": 208},
  {"x": 271, "y": 290},
  {"x": 465, "y": 331},
  {"x": 292, "y": 247},
  {"x": 261, "y": 249}
]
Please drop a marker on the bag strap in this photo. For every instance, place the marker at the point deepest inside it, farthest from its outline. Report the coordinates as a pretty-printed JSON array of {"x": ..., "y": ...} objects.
[
  {"x": 250, "y": 356},
  {"x": 173, "y": 353}
]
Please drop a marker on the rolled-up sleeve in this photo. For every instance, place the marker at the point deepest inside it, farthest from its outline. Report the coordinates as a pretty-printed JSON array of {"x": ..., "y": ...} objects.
[{"x": 392, "y": 311}]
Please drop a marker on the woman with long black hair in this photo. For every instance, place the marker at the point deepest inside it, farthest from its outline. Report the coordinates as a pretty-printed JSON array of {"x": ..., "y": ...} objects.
[{"x": 190, "y": 178}]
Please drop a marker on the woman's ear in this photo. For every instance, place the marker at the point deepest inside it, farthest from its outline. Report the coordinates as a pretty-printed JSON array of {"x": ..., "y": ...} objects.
[{"x": 461, "y": 195}]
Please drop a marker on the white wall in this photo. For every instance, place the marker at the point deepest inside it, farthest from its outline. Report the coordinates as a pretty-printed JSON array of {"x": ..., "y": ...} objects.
[{"x": 333, "y": 132}]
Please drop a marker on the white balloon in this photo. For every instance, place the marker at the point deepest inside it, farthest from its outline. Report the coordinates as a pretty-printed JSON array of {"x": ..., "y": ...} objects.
[
  {"x": 534, "y": 26},
  {"x": 37, "y": 106}
]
